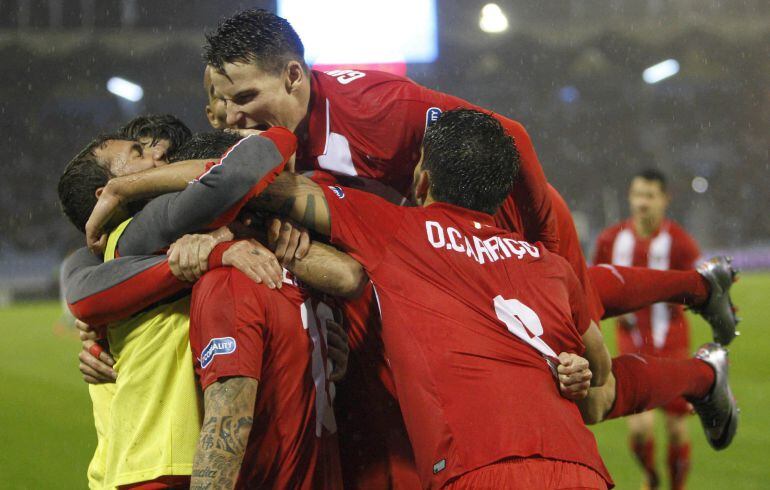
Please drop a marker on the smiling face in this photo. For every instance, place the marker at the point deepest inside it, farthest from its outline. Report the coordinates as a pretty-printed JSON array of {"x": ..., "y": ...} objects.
[{"x": 258, "y": 99}]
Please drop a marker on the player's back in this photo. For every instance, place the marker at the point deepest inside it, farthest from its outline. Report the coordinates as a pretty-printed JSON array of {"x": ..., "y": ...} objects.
[
  {"x": 292, "y": 443},
  {"x": 469, "y": 314}
]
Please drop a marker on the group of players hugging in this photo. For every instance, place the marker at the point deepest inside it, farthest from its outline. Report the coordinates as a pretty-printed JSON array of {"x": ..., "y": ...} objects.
[{"x": 354, "y": 282}]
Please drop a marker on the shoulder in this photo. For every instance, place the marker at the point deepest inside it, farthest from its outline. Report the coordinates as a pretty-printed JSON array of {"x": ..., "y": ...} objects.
[{"x": 609, "y": 233}]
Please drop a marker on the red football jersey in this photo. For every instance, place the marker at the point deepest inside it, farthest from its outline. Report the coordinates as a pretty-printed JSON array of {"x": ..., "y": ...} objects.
[
  {"x": 508, "y": 218},
  {"x": 660, "y": 328},
  {"x": 371, "y": 124},
  {"x": 469, "y": 315},
  {"x": 277, "y": 336}
]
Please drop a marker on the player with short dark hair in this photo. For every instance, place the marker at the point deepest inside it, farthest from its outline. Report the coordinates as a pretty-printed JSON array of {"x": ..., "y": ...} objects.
[{"x": 162, "y": 131}]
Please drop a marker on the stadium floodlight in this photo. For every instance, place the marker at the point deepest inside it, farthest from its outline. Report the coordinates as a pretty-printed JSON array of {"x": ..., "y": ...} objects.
[
  {"x": 125, "y": 89},
  {"x": 661, "y": 71},
  {"x": 492, "y": 19},
  {"x": 700, "y": 184}
]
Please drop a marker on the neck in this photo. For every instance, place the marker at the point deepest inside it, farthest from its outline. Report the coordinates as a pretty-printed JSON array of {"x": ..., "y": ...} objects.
[{"x": 646, "y": 227}]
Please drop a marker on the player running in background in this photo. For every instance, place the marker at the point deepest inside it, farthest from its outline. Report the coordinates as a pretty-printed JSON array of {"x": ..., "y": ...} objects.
[{"x": 650, "y": 239}]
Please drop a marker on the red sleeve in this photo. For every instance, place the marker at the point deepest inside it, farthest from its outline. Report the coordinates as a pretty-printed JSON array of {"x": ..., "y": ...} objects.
[
  {"x": 531, "y": 196},
  {"x": 126, "y": 286},
  {"x": 578, "y": 302},
  {"x": 227, "y": 326},
  {"x": 286, "y": 143},
  {"x": 362, "y": 224},
  {"x": 124, "y": 299}
]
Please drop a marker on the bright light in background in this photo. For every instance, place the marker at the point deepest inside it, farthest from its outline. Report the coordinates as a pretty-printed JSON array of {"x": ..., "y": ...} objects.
[
  {"x": 364, "y": 31},
  {"x": 700, "y": 184},
  {"x": 661, "y": 71},
  {"x": 125, "y": 89},
  {"x": 493, "y": 19}
]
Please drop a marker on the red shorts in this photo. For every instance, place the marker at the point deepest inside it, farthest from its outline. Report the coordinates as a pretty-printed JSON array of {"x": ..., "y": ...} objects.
[{"x": 530, "y": 474}]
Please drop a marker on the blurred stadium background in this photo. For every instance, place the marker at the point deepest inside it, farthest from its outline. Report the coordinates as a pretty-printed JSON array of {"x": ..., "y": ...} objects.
[{"x": 604, "y": 87}]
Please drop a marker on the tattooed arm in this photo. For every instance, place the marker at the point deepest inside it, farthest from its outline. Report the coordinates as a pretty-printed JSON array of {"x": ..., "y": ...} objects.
[
  {"x": 298, "y": 198},
  {"x": 228, "y": 417}
]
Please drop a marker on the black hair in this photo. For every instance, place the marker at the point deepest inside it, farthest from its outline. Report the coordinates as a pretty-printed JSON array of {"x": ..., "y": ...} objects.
[
  {"x": 472, "y": 161},
  {"x": 157, "y": 126},
  {"x": 82, "y": 176},
  {"x": 653, "y": 175},
  {"x": 212, "y": 144},
  {"x": 254, "y": 36}
]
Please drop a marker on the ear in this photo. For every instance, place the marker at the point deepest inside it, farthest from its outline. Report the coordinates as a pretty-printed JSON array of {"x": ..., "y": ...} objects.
[
  {"x": 295, "y": 76},
  {"x": 422, "y": 186},
  {"x": 99, "y": 192}
]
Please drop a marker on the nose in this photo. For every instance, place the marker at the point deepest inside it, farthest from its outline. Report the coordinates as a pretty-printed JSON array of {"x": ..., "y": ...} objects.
[{"x": 233, "y": 116}]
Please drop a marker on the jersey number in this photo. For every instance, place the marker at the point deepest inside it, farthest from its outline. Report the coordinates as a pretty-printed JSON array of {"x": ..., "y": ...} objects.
[
  {"x": 346, "y": 76},
  {"x": 523, "y": 322},
  {"x": 314, "y": 321}
]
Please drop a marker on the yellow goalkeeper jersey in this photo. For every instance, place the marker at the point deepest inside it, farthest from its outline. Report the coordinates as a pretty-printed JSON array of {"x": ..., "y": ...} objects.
[{"x": 148, "y": 422}]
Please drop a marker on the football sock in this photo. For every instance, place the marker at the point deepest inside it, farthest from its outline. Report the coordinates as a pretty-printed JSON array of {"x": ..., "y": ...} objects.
[
  {"x": 678, "y": 464},
  {"x": 645, "y": 382},
  {"x": 645, "y": 454},
  {"x": 627, "y": 289}
]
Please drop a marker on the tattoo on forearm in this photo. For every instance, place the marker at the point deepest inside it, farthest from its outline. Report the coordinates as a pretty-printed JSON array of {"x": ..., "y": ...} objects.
[
  {"x": 296, "y": 197},
  {"x": 229, "y": 407}
]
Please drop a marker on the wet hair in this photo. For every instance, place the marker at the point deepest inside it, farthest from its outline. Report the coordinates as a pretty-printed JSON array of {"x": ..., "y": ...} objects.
[
  {"x": 472, "y": 161},
  {"x": 653, "y": 175},
  {"x": 254, "y": 36},
  {"x": 82, "y": 176},
  {"x": 212, "y": 144},
  {"x": 157, "y": 126}
]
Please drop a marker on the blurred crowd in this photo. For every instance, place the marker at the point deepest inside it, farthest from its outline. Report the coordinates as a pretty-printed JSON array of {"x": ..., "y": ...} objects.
[{"x": 592, "y": 118}]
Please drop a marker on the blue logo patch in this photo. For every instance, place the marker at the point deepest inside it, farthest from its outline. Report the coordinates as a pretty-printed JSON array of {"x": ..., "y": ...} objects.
[
  {"x": 216, "y": 347},
  {"x": 337, "y": 190},
  {"x": 431, "y": 116}
]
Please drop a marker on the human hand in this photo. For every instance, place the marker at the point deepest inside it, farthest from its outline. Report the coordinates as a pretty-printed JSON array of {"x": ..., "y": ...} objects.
[
  {"x": 256, "y": 261},
  {"x": 288, "y": 240},
  {"x": 574, "y": 376},
  {"x": 108, "y": 203},
  {"x": 188, "y": 257},
  {"x": 338, "y": 349},
  {"x": 95, "y": 363}
]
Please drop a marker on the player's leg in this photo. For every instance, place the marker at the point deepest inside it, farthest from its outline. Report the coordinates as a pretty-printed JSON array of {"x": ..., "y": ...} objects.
[
  {"x": 678, "y": 443},
  {"x": 639, "y": 383},
  {"x": 627, "y": 289},
  {"x": 641, "y": 438}
]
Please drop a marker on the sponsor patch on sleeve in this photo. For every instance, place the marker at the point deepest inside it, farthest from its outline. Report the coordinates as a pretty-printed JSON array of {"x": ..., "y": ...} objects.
[
  {"x": 431, "y": 116},
  {"x": 337, "y": 190},
  {"x": 216, "y": 347}
]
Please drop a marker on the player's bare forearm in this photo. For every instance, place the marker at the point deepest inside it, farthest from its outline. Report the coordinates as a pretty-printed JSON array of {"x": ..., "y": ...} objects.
[
  {"x": 330, "y": 271},
  {"x": 228, "y": 418},
  {"x": 156, "y": 181},
  {"x": 597, "y": 354},
  {"x": 299, "y": 198}
]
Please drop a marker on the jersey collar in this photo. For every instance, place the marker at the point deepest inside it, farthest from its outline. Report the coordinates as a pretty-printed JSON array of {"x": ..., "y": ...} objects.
[
  {"x": 318, "y": 118},
  {"x": 469, "y": 214}
]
